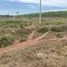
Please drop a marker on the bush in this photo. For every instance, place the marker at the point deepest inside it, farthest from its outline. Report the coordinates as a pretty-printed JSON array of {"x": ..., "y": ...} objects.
[
  {"x": 60, "y": 35},
  {"x": 6, "y": 40},
  {"x": 21, "y": 26},
  {"x": 57, "y": 29},
  {"x": 22, "y": 40},
  {"x": 43, "y": 30},
  {"x": 58, "y": 22},
  {"x": 64, "y": 26},
  {"x": 23, "y": 31}
]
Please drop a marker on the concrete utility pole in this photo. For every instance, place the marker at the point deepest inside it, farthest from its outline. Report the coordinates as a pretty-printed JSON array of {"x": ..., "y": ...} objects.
[{"x": 40, "y": 12}]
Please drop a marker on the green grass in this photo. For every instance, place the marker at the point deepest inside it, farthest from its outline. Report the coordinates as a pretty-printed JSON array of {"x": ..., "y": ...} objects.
[{"x": 21, "y": 22}]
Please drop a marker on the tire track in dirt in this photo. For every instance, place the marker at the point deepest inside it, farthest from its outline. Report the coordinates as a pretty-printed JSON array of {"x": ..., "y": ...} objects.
[
  {"x": 31, "y": 36},
  {"x": 29, "y": 42},
  {"x": 23, "y": 44}
]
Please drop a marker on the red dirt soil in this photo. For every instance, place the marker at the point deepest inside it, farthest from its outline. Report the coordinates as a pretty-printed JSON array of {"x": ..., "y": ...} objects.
[
  {"x": 28, "y": 42},
  {"x": 23, "y": 44}
]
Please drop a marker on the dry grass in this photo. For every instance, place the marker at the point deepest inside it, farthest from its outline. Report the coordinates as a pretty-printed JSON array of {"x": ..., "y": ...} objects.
[{"x": 45, "y": 54}]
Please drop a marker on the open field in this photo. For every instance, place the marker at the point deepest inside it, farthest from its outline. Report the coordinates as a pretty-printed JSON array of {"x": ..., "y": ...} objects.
[
  {"x": 19, "y": 28},
  {"x": 26, "y": 43},
  {"x": 45, "y": 54}
]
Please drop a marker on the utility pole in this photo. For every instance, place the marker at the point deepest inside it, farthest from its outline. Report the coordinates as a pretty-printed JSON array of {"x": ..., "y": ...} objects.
[{"x": 40, "y": 12}]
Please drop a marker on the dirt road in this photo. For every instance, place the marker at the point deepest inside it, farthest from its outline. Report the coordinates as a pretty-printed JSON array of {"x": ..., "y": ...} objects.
[{"x": 23, "y": 44}]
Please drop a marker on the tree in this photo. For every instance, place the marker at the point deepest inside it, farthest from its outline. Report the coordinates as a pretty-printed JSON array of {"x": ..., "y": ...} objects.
[{"x": 17, "y": 12}]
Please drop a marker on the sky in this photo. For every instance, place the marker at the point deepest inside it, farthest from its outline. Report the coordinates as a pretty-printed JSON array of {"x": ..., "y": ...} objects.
[{"x": 30, "y": 6}]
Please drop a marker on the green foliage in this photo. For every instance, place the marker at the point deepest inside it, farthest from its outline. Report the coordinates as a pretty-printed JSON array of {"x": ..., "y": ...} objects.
[
  {"x": 57, "y": 29},
  {"x": 22, "y": 31},
  {"x": 47, "y": 14},
  {"x": 21, "y": 26},
  {"x": 43, "y": 30},
  {"x": 6, "y": 40},
  {"x": 17, "y": 25},
  {"x": 60, "y": 35},
  {"x": 58, "y": 22},
  {"x": 64, "y": 26},
  {"x": 21, "y": 34},
  {"x": 22, "y": 40}
]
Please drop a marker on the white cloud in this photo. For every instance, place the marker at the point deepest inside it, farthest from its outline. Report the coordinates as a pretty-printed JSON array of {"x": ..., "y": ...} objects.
[
  {"x": 60, "y": 3},
  {"x": 31, "y": 6}
]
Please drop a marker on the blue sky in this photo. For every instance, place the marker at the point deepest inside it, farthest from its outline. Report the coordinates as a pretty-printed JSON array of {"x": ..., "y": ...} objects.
[{"x": 30, "y": 6}]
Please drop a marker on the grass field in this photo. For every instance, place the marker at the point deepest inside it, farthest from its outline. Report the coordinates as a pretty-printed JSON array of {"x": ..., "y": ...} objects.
[{"x": 49, "y": 53}]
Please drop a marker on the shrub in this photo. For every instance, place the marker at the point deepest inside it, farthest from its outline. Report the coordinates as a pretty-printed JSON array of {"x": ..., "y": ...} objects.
[
  {"x": 57, "y": 29},
  {"x": 21, "y": 26},
  {"x": 22, "y": 40},
  {"x": 22, "y": 31},
  {"x": 43, "y": 30},
  {"x": 2, "y": 31},
  {"x": 60, "y": 35},
  {"x": 46, "y": 23},
  {"x": 58, "y": 22},
  {"x": 64, "y": 26},
  {"x": 6, "y": 40}
]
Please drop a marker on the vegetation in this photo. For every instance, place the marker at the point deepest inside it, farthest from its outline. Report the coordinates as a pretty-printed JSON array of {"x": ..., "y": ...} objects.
[
  {"x": 57, "y": 29},
  {"x": 47, "y": 14},
  {"x": 16, "y": 25},
  {"x": 43, "y": 30},
  {"x": 44, "y": 14},
  {"x": 60, "y": 35},
  {"x": 6, "y": 40},
  {"x": 45, "y": 54}
]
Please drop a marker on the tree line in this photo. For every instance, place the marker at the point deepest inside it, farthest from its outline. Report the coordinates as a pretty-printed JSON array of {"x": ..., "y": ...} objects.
[
  {"x": 47, "y": 14},
  {"x": 44, "y": 14}
]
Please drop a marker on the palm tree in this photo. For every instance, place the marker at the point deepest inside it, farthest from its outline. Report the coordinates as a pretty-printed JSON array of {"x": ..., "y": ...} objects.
[{"x": 40, "y": 12}]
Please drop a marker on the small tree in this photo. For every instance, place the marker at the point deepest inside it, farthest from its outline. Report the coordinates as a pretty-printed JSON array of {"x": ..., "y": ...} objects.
[{"x": 17, "y": 12}]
